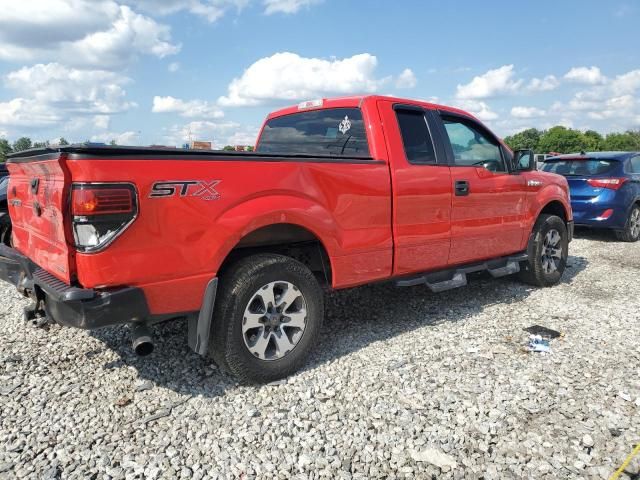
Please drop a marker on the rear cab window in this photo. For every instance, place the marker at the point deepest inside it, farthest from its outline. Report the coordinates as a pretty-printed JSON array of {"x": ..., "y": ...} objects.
[
  {"x": 579, "y": 167},
  {"x": 333, "y": 131}
]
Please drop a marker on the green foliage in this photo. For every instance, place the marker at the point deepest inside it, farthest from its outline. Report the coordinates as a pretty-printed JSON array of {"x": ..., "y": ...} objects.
[
  {"x": 229, "y": 148},
  {"x": 113, "y": 143},
  {"x": 63, "y": 141},
  {"x": 623, "y": 141},
  {"x": 41, "y": 144},
  {"x": 566, "y": 140},
  {"x": 5, "y": 149},
  {"x": 529, "y": 138},
  {"x": 23, "y": 143}
]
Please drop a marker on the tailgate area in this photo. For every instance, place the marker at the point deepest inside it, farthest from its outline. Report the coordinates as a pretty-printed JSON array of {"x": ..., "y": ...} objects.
[{"x": 37, "y": 197}]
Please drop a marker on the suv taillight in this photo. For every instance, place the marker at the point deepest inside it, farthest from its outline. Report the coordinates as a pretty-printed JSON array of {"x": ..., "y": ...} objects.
[
  {"x": 612, "y": 183},
  {"x": 101, "y": 212}
]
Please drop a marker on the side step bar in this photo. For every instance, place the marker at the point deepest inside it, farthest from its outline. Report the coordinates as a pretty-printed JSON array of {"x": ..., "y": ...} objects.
[{"x": 457, "y": 277}]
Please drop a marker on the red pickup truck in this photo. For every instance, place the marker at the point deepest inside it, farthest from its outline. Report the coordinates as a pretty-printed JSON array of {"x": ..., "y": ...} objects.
[{"x": 339, "y": 192}]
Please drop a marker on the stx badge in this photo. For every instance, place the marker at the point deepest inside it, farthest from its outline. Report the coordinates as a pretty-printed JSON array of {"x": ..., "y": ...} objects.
[{"x": 205, "y": 189}]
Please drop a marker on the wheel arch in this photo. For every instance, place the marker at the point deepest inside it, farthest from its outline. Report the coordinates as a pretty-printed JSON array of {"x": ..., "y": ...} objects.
[{"x": 288, "y": 239}]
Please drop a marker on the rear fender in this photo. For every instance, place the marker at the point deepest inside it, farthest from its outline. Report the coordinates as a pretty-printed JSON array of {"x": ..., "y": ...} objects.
[{"x": 242, "y": 219}]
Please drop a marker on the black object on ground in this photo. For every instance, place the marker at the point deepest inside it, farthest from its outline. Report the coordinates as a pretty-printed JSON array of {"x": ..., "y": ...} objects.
[{"x": 544, "y": 332}]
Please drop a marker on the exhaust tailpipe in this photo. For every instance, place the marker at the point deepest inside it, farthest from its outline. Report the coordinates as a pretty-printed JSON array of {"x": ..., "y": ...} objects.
[{"x": 142, "y": 341}]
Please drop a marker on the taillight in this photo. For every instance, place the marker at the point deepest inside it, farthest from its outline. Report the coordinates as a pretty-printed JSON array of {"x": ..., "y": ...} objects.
[
  {"x": 612, "y": 183},
  {"x": 101, "y": 212}
]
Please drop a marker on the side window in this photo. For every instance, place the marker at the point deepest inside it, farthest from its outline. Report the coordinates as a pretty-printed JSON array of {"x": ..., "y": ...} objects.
[
  {"x": 471, "y": 147},
  {"x": 634, "y": 164},
  {"x": 416, "y": 138}
]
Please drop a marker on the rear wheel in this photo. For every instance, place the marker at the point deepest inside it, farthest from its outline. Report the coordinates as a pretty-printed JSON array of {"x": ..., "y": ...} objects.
[
  {"x": 548, "y": 250},
  {"x": 267, "y": 318},
  {"x": 631, "y": 232}
]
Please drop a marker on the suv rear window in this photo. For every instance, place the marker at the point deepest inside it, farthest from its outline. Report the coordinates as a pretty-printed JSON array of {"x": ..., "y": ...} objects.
[
  {"x": 336, "y": 131},
  {"x": 578, "y": 168}
]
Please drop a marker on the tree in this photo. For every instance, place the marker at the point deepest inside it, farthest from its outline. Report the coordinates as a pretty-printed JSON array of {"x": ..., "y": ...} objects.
[
  {"x": 63, "y": 141},
  {"x": 5, "y": 149},
  {"x": 229, "y": 148},
  {"x": 526, "y": 139},
  {"x": 593, "y": 141},
  {"x": 113, "y": 142},
  {"x": 627, "y": 141},
  {"x": 23, "y": 143},
  {"x": 562, "y": 140},
  {"x": 41, "y": 144}
]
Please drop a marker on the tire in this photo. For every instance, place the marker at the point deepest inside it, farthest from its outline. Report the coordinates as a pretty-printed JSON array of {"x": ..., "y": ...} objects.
[
  {"x": 274, "y": 350},
  {"x": 5, "y": 229},
  {"x": 548, "y": 252},
  {"x": 631, "y": 232}
]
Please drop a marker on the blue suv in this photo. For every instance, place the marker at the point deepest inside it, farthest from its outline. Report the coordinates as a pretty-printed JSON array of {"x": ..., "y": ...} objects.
[{"x": 605, "y": 189}]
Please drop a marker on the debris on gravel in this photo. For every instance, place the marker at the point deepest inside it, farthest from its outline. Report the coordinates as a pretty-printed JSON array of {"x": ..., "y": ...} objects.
[{"x": 403, "y": 384}]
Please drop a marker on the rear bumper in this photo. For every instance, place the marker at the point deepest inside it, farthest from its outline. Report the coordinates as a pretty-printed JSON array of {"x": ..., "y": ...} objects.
[{"x": 68, "y": 305}]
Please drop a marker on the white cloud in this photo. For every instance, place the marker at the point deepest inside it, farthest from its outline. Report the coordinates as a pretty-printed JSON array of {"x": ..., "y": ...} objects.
[
  {"x": 173, "y": 67},
  {"x": 287, "y": 6},
  {"x": 493, "y": 83},
  {"x": 189, "y": 109},
  {"x": 478, "y": 108},
  {"x": 626, "y": 83},
  {"x": 71, "y": 90},
  {"x": 548, "y": 83},
  {"x": 28, "y": 113},
  {"x": 289, "y": 77},
  {"x": 219, "y": 133},
  {"x": 102, "y": 122},
  {"x": 211, "y": 10},
  {"x": 527, "y": 112},
  {"x": 123, "y": 138},
  {"x": 407, "y": 79},
  {"x": 99, "y": 33},
  {"x": 585, "y": 75}
]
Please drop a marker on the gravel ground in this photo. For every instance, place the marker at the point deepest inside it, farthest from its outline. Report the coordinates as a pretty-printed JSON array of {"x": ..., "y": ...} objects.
[{"x": 405, "y": 384}]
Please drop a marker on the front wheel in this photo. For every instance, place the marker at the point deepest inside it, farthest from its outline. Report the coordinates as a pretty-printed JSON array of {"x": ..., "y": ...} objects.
[
  {"x": 267, "y": 318},
  {"x": 631, "y": 232},
  {"x": 548, "y": 250}
]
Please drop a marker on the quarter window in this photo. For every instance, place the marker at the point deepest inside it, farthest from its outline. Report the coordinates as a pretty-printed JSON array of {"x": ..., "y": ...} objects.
[
  {"x": 418, "y": 145},
  {"x": 472, "y": 147},
  {"x": 634, "y": 164}
]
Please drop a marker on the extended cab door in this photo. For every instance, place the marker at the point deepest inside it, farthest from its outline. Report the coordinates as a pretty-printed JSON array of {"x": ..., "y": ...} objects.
[
  {"x": 489, "y": 202},
  {"x": 421, "y": 181}
]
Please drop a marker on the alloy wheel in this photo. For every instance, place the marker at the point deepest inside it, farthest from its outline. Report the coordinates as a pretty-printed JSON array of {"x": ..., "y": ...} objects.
[
  {"x": 551, "y": 251},
  {"x": 274, "y": 320}
]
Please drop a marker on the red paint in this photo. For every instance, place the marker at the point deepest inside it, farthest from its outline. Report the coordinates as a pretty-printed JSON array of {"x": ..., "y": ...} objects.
[{"x": 376, "y": 220}]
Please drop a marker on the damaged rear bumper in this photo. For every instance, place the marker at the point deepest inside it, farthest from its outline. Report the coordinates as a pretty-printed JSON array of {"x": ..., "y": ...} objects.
[{"x": 69, "y": 305}]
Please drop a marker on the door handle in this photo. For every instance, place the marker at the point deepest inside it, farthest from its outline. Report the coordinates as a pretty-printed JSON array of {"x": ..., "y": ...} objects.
[{"x": 462, "y": 188}]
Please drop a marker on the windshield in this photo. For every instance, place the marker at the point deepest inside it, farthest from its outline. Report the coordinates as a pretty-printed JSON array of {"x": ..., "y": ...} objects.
[
  {"x": 336, "y": 131},
  {"x": 576, "y": 167}
]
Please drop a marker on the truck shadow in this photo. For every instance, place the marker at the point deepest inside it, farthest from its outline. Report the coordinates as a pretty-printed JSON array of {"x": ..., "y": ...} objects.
[{"x": 354, "y": 319}]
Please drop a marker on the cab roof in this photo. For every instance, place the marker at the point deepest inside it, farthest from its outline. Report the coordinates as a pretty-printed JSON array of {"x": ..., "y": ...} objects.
[{"x": 357, "y": 101}]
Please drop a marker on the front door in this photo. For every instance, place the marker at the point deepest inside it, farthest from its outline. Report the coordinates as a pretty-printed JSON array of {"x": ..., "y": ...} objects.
[{"x": 488, "y": 203}]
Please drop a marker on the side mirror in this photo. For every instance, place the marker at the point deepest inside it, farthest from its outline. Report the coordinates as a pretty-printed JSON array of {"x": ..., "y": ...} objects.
[{"x": 524, "y": 160}]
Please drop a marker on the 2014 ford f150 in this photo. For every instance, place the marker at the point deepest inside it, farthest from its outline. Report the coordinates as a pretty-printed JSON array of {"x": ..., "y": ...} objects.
[{"x": 339, "y": 192}]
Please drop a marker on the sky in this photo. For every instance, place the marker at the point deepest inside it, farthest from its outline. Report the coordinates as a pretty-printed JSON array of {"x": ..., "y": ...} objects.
[{"x": 162, "y": 71}]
